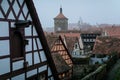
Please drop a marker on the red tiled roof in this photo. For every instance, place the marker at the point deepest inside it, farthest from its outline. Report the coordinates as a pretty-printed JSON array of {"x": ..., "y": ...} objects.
[
  {"x": 106, "y": 45},
  {"x": 60, "y": 16},
  {"x": 69, "y": 35},
  {"x": 113, "y": 31}
]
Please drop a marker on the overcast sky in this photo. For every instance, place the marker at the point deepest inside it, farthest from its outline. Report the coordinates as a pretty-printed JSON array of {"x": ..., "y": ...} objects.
[{"x": 91, "y": 11}]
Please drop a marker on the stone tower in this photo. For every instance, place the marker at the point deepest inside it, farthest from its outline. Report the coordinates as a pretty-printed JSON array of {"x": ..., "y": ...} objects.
[{"x": 60, "y": 22}]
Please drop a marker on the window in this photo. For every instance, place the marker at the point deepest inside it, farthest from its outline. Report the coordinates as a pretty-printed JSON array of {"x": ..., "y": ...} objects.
[
  {"x": 74, "y": 53},
  {"x": 93, "y": 40},
  {"x": 17, "y": 43},
  {"x": 84, "y": 40},
  {"x": 59, "y": 29},
  {"x": 75, "y": 46},
  {"x": 87, "y": 40}
]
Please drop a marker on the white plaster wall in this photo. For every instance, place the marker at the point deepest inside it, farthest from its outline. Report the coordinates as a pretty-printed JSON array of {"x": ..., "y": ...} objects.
[
  {"x": 35, "y": 46},
  {"x": 43, "y": 68},
  {"x": 19, "y": 77},
  {"x": 28, "y": 31},
  {"x": 31, "y": 73},
  {"x": 34, "y": 31},
  {"x": 11, "y": 16},
  {"x": 29, "y": 17},
  {"x": 21, "y": 1},
  {"x": 16, "y": 7},
  {"x": 64, "y": 41},
  {"x": 43, "y": 57},
  {"x": 39, "y": 43},
  {"x": 81, "y": 43},
  {"x": 25, "y": 9},
  {"x": 4, "y": 47},
  {"x": 5, "y": 5},
  {"x": 1, "y": 15},
  {"x": 29, "y": 46},
  {"x": 36, "y": 58},
  {"x": 4, "y": 29},
  {"x": 12, "y": 24},
  {"x": 29, "y": 59},
  {"x": 18, "y": 65},
  {"x": 49, "y": 71},
  {"x": 4, "y": 66},
  {"x": 21, "y": 17}
]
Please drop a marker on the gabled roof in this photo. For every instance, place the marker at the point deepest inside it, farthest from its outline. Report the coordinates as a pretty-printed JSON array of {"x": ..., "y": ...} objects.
[
  {"x": 61, "y": 56},
  {"x": 106, "y": 45},
  {"x": 60, "y": 15},
  {"x": 52, "y": 39},
  {"x": 70, "y": 41},
  {"x": 41, "y": 36}
]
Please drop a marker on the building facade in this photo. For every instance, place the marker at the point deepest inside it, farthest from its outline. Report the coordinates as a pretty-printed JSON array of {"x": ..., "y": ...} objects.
[
  {"x": 60, "y": 22},
  {"x": 24, "y": 53},
  {"x": 88, "y": 39},
  {"x": 73, "y": 46}
]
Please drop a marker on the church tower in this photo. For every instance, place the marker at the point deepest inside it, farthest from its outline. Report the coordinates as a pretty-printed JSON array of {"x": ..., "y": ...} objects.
[{"x": 60, "y": 22}]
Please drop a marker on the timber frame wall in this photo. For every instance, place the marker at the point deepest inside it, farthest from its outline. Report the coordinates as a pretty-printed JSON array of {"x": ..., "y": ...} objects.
[{"x": 34, "y": 59}]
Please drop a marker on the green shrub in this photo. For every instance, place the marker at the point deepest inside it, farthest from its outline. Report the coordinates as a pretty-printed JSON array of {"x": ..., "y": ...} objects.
[{"x": 117, "y": 76}]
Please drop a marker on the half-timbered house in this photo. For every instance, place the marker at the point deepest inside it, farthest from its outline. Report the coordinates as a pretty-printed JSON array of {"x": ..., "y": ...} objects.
[
  {"x": 88, "y": 39},
  {"x": 24, "y": 53}
]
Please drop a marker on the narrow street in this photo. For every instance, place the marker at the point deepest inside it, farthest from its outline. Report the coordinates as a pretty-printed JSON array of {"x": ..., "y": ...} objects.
[{"x": 112, "y": 73}]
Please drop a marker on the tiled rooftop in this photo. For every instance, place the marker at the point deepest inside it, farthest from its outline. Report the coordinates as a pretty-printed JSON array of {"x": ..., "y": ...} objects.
[
  {"x": 60, "y": 16},
  {"x": 70, "y": 41},
  {"x": 113, "y": 31},
  {"x": 106, "y": 45},
  {"x": 60, "y": 63}
]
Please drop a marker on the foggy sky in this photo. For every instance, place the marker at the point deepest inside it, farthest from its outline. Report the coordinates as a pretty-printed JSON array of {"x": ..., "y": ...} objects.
[{"x": 91, "y": 11}]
